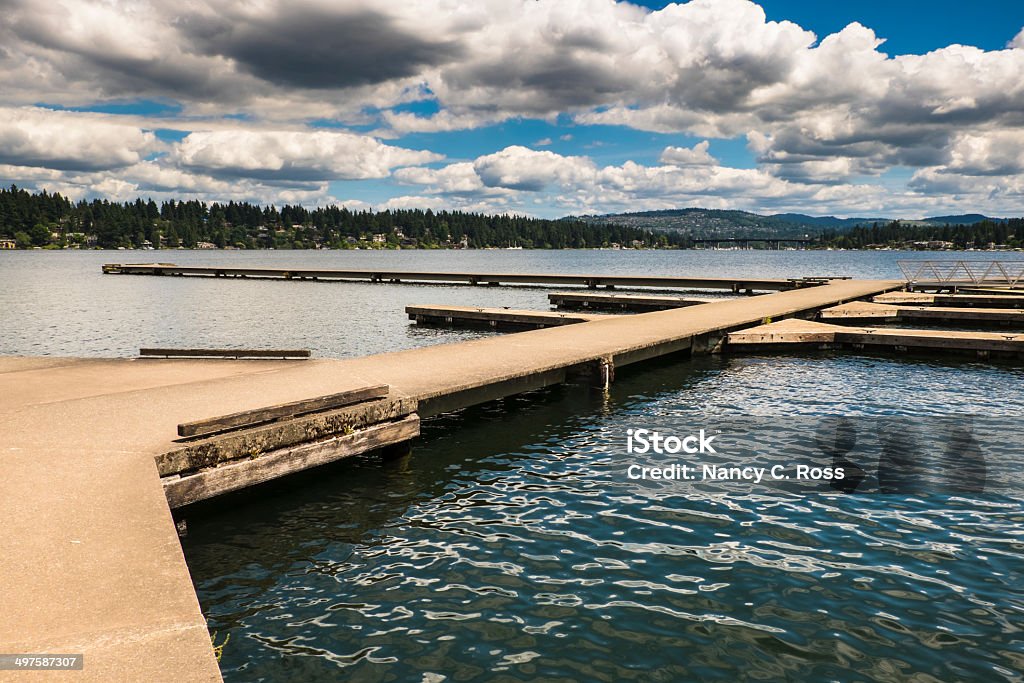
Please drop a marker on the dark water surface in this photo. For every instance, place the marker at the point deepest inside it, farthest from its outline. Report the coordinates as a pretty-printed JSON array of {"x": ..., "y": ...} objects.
[{"x": 510, "y": 546}]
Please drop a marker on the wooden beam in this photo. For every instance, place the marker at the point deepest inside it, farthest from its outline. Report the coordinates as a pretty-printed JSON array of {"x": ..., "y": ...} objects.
[
  {"x": 273, "y": 465},
  {"x": 250, "y": 443},
  {"x": 248, "y": 418},
  {"x": 225, "y": 353}
]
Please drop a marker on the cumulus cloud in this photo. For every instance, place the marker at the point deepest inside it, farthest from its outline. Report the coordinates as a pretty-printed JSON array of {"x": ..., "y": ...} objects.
[
  {"x": 519, "y": 177},
  {"x": 309, "y": 45},
  {"x": 296, "y": 155},
  {"x": 821, "y": 113},
  {"x": 520, "y": 168},
  {"x": 688, "y": 156},
  {"x": 32, "y": 136}
]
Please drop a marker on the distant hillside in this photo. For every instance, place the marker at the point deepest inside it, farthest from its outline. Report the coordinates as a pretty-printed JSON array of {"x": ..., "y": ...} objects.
[
  {"x": 710, "y": 223},
  {"x": 964, "y": 219},
  {"x": 826, "y": 221}
]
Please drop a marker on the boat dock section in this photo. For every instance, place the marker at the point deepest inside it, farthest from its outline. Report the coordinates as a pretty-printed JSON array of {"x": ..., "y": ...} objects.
[
  {"x": 583, "y": 301},
  {"x": 93, "y": 564},
  {"x": 867, "y": 312},
  {"x": 1015, "y": 300},
  {"x": 796, "y": 333},
  {"x": 507, "y": 319},
  {"x": 395, "y": 276}
]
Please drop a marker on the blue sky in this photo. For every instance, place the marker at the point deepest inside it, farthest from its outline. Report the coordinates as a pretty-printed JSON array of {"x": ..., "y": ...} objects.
[{"x": 548, "y": 107}]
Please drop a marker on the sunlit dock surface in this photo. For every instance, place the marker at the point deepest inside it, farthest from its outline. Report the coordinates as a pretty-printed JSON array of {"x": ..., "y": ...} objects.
[
  {"x": 398, "y": 276},
  {"x": 93, "y": 559}
]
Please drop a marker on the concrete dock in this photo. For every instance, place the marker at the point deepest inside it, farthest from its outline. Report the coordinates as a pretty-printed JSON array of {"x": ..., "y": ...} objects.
[
  {"x": 868, "y": 312},
  {"x": 797, "y": 333},
  {"x": 1015, "y": 300},
  {"x": 501, "y": 319},
  {"x": 396, "y": 276},
  {"x": 583, "y": 301},
  {"x": 93, "y": 564}
]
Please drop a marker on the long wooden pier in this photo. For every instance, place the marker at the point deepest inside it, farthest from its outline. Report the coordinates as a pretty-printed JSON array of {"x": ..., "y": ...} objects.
[
  {"x": 92, "y": 455},
  {"x": 398, "y": 276}
]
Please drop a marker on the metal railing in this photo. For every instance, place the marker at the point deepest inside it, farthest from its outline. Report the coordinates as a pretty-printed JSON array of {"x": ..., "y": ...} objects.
[{"x": 963, "y": 272}]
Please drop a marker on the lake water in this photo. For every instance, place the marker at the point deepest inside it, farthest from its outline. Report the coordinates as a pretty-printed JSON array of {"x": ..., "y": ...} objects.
[{"x": 510, "y": 547}]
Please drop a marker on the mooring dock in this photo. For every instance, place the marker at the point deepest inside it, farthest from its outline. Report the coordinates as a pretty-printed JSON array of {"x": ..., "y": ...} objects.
[
  {"x": 865, "y": 311},
  {"x": 804, "y": 333},
  {"x": 494, "y": 318},
  {"x": 399, "y": 276},
  {"x": 1008, "y": 300},
  {"x": 93, "y": 455},
  {"x": 583, "y": 301}
]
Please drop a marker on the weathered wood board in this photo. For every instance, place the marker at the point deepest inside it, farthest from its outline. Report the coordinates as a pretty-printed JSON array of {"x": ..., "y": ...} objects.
[
  {"x": 260, "y": 415},
  {"x": 241, "y": 474}
]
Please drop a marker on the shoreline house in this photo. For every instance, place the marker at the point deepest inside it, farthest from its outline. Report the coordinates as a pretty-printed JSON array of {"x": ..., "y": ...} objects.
[{"x": 8, "y": 244}]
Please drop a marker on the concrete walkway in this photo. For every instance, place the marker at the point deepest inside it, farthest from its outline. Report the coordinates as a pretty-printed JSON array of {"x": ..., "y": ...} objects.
[{"x": 92, "y": 562}]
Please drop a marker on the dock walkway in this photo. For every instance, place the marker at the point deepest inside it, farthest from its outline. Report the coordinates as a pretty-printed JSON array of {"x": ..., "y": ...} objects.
[
  {"x": 586, "y": 280},
  {"x": 508, "y": 319},
  {"x": 865, "y": 311},
  {"x": 92, "y": 562},
  {"x": 795, "y": 333}
]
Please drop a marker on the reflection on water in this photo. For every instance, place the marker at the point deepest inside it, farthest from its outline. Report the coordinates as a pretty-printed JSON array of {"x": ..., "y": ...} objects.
[{"x": 510, "y": 546}]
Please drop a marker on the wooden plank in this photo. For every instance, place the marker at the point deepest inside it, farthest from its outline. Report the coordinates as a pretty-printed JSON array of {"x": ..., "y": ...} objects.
[
  {"x": 225, "y": 353},
  {"x": 248, "y": 418},
  {"x": 248, "y": 443},
  {"x": 241, "y": 474}
]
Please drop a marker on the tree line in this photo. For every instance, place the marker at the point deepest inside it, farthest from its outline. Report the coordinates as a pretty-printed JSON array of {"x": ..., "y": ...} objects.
[
  {"x": 1008, "y": 233},
  {"x": 50, "y": 220}
]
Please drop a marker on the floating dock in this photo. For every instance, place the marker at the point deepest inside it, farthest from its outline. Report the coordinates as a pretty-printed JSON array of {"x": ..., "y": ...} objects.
[
  {"x": 1015, "y": 300},
  {"x": 581, "y": 301},
  {"x": 398, "y": 276},
  {"x": 93, "y": 458},
  {"x": 868, "y": 312},
  {"x": 802, "y": 333},
  {"x": 507, "y": 319}
]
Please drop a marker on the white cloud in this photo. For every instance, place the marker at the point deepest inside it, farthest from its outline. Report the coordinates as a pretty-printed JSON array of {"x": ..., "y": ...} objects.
[
  {"x": 297, "y": 155},
  {"x": 411, "y": 202},
  {"x": 1018, "y": 40},
  {"x": 821, "y": 115},
  {"x": 458, "y": 178},
  {"x": 520, "y": 168},
  {"x": 576, "y": 185},
  {"x": 688, "y": 156},
  {"x": 31, "y": 136}
]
